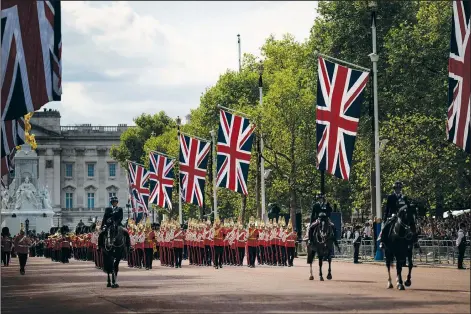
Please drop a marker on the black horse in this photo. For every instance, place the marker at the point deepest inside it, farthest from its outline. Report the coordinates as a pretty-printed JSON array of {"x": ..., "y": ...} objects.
[
  {"x": 114, "y": 243},
  {"x": 398, "y": 244},
  {"x": 322, "y": 238}
]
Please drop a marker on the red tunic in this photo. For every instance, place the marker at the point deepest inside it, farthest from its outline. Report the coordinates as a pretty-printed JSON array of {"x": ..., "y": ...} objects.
[
  {"x": 178, "y": 241},
  {"x": 149, "y": 243},
  {"x": 219, "y": 237},
  {"x": 252, "y": 237}
]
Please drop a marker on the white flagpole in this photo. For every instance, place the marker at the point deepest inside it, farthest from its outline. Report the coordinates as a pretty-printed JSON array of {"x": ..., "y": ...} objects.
[
  {"x": 374, "y": 59},
  {"x": 180, "y": 210},
  {"x": 240, "y": 53},
  {"x": 215, "y": 194}
]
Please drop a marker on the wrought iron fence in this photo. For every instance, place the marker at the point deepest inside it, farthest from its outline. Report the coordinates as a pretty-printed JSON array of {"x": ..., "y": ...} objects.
[{"x": 431, "y": 252}]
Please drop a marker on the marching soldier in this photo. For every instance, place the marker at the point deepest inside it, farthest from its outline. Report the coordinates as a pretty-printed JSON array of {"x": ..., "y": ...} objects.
[
  {"x": 291, "y": 237},
  {"x": 22, "y": 243},
  {"x": 252, "y": 242},
  {"x": 218, "y": 232},
  {"x": 282, "y": 235},
  {"x": 178, "y": 244},
  {"x": 207, "y": 243},
  {"x": 7, "y": 244},
  {"x": 149, "y": 244},
  {"x": 241, "y": 243}
]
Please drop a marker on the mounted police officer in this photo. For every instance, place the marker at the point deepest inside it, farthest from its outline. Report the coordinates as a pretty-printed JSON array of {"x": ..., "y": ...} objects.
[
  {"x": 113, "y": 216},
  {"x": 394, "y": 203},
  {"x": 320, "y": 209}
]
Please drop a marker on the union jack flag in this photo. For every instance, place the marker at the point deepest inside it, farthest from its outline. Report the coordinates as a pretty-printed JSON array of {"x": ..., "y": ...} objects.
[
  {"x": 339, "y": 96},
  {"x": 459, "y": 77},
  {"x": 31, "y": 56},
  {"x": 12, "y": 135},
  {"x": 161, "y": 177},
  {"x": 193, "y": 159},
  {"x": 234, "y": 147},
  {"x": 139, "y": 186},
  {"x": 7, "y": 163}
]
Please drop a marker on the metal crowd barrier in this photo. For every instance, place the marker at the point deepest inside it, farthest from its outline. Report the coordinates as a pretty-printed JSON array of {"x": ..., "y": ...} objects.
[{"x": 431, "y": 252}]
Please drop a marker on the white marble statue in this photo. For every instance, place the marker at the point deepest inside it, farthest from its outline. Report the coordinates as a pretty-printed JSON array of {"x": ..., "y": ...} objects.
[
  {"x": 26, "y": 196},
  {"x": 5, "y": 199},
  {"x": 46, "y": 199}
]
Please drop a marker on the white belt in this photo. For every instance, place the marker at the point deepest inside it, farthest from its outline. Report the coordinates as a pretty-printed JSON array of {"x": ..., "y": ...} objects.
[{"x": 178, "y": 240}]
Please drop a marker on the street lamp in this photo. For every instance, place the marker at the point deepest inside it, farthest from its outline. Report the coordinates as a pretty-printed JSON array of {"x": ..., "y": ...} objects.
[
  {"x": 27, "y": 225},
  {"x": 180, "y": 210}
]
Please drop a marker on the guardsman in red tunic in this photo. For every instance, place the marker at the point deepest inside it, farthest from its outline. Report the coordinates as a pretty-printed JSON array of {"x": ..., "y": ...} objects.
[
  {"x": 178, "y": 243},
  {"x": 261, "y": 247},
  {"x": 225, "y": 257},
  {"x": 207, "y": 243},
  {"x": 65, "y": 247},
  {"x": 282, "y": 241},
  {"x": 252, "y": 242},
  {"x": 218, "y": 232},
  {"x": 140, "y": 245},
  {"x": 291, "y": 237},
  {"x": 241, "y": 240},
  {"x": 149, "y": 244},
  {"x": 273, "y": 242},
  {"x": 232, "y": 244}
]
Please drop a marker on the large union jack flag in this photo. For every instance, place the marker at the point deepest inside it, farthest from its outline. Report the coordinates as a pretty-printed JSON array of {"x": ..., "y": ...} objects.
[
  {"x": 193, "y": 159},
  {"x": 234, "y": 148},
  {"x": 31, "y": 56},
  {"x": 138, "y": 176},
  {"x": 7, "y": 163},
  {"x": 459, "y": 77},
  {"x": 339, "y": 96},
  {"x": 161, "y": 176},
  {"x": 12, "y": 135}
]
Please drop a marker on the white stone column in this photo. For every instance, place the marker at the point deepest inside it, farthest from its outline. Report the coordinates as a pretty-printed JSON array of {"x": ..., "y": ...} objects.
[
  {"x": 42, "y": 166},
  {"x": 56, "y": 188}
]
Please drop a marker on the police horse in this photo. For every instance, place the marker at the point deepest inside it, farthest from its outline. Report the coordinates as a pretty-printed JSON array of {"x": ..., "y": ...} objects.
[
  {"x": 114, "y": 245},
  {"x": 398, "y": 244},
  {"x": 321, "y": 240}
]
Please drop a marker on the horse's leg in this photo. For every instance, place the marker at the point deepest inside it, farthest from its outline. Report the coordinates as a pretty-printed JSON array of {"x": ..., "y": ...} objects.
[
  {"x": 109, "y": 280},
  {"x": 329, "y": 274},
  {"x": 408, "y": 282},
  {"x": 310, "y": 269},
  {"x": 399, "y": 262},
  {"x": 321, "y": 258},
  {"x": 115, "y": 272},
  {"x": 388, "y": 266}
]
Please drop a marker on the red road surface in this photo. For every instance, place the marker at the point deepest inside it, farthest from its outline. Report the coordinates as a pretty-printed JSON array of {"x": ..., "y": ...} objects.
[{"x": 78, "y": 287}]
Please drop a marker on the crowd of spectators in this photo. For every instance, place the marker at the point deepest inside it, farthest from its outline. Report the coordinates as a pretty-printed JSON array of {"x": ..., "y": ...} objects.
[{"x": 440, "y": 228}]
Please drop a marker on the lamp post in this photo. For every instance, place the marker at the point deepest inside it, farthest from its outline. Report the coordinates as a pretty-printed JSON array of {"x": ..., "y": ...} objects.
[
  {"x": 180, "y": 211},
  {"x": 128, "y": 206},
  {"x": 262, "y": 160},
  {"x": 27, "y": 225},
  {"x": 215, "y": 194}
]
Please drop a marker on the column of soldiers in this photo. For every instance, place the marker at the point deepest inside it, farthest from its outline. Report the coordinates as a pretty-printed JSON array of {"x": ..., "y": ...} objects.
[{"x": 205, "y": 244}]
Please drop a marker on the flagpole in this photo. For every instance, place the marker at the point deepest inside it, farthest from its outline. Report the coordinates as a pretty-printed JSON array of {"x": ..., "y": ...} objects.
[
  {"x": 342, "y": 61},
  {"x": 234, "y": 111},
  {"x": 262, "y": 159},
  {"x": 215, "y": 194},
  {"x": 180, "y": 210},
  {"x": 165, "y": 155},
  {"x": 199, "y": 138},
  {"x": 374, "y": 59},
  {"x": 240, "y": 53}
]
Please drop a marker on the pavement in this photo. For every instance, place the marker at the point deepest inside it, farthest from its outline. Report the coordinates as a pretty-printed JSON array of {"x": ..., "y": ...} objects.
[{"x": 78, "y": 287}]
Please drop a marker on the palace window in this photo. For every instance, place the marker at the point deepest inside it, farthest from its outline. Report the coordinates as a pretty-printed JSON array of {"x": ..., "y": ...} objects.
[
  {"x": 91, "y": 200},
  {"x": 112, "y": 169},
  {"x": 69, "y": 170},
  {"x": 111, "y": 194},
  {"x": 69, "y": 200},
  {"x": 91, "y": 170}
]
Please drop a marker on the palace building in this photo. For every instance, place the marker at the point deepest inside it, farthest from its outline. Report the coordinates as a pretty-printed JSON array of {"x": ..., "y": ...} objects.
[{"x": 76, "y": 167}]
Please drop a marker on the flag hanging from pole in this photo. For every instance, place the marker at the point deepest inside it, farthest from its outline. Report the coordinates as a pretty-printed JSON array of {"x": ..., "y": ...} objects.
[
  {"x": 459, "y": 77},
  {"x": 234, "y": 149},
  {"x": 12, "y": 135},
  {"x": 140, "y": 187},
  {"x": 161, "y": 176},
  {"x": 193, "y": 163},
  {"x": 339, "y": 97},
  {"x": 31, "y": 46}
]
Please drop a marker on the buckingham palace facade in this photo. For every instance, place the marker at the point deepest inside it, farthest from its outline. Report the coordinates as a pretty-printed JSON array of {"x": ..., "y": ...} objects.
[{"x": 75, "y": 165}]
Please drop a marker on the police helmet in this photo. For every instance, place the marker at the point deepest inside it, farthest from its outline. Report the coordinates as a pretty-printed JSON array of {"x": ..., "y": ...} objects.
[
  {"x": 398, "y": 185},
  {"x": 113, "y": 199}
]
